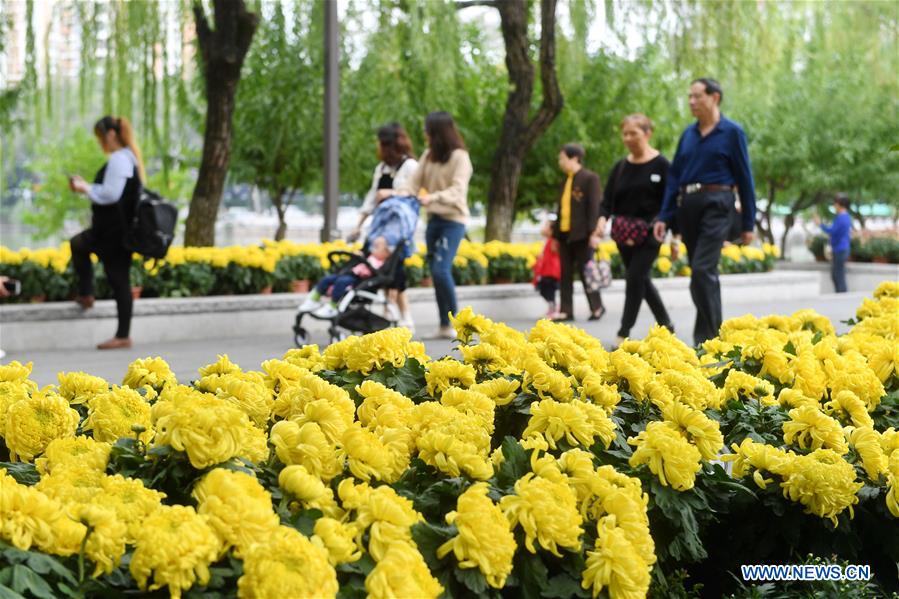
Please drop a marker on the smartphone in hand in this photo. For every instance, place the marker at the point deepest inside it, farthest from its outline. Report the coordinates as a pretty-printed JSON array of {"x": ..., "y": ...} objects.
[{"x": 12, "y": 286}]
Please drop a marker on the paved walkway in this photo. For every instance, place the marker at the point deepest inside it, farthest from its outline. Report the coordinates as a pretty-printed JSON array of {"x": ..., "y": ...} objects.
[{"x": 186, "y": 357}]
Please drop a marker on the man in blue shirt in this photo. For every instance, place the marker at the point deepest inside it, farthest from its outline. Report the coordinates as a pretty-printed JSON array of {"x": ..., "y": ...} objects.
[
  {"x": 710, "y": 165},
  {"x": 839, "y": 241}
]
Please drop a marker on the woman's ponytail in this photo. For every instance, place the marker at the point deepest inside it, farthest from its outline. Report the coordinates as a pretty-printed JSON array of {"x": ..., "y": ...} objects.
[{"x": 126, "y": 135}]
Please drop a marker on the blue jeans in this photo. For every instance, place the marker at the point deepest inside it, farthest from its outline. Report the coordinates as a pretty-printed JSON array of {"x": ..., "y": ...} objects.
[
  {"x": 838, "y": 271},
  {"x": 443, "y": 237},
  {"x": 340, "y": 283}
]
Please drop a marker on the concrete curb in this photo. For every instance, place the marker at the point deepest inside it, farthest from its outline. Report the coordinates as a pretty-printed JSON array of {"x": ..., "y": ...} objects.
[
  {"x": 64, "y": 325},
  {"x": 860, "y": 276}
]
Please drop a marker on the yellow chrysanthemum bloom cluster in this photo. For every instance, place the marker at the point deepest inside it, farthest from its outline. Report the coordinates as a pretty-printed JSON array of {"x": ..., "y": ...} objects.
[
  {"x": 485, "y": 540},
  {"x": 822, "y": 481},
  {"x": 374, "y": 351},
  {"x": 237, "y": 507},
  {"x": 668, "y": 453},
  {"x": 208, "y": 429}
]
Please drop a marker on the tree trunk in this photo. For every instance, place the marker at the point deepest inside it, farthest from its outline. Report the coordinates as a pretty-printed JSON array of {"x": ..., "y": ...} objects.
[
  {"x": 280, "y": 205},
  {"x": 222, "y": 52},
  {"x": 518, "y": 132}
]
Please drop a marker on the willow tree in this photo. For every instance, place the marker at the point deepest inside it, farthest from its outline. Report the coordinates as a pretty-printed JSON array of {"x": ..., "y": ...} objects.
[
  {"x": 282, "y": 91},
  {"x": 222, "y": 53}
]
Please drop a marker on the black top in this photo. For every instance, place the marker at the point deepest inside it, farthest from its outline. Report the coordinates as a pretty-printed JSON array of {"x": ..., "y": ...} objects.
[
  {"x": 109, "y": 222},
  {"x": 635, "y": 190},
  {"x": 586, "y": 193}
]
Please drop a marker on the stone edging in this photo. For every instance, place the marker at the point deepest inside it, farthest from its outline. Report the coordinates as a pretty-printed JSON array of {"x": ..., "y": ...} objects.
[{"x": 55, "y": 311}]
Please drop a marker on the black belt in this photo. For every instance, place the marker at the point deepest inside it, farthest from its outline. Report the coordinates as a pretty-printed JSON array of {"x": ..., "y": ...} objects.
[{"x": 701, "y": 187}]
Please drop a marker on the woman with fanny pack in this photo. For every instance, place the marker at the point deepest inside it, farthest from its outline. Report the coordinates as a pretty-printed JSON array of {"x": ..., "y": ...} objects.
[{"x": 633, "y": 197}]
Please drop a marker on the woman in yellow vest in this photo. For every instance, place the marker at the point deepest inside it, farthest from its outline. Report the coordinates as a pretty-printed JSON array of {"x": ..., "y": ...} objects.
[{"x": 578, "y": 211}]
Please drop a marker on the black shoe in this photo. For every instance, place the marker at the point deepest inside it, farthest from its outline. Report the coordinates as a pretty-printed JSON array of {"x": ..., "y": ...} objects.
[
  {"x": 598, "y": 314},
  {"x": 670, "y": 327}
]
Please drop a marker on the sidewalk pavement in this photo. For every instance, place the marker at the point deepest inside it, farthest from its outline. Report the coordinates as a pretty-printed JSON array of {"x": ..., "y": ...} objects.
[{"x": 187, "y": 356}]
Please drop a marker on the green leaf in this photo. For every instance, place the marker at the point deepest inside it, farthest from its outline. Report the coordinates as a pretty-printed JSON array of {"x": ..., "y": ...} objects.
[
  {"x": 531, "y": 573},
  {"x": 8, "y": 593},
  {"x": 472, "y": 578},
  {"x": 25, "y": 474},
  {"x": 44, "y": 564},
  {"x": 429, "y": 537},
  {"x": 515, "y": 465},
  {"x": 24, "y": 578},
  {"x": 563, "y": 586}
]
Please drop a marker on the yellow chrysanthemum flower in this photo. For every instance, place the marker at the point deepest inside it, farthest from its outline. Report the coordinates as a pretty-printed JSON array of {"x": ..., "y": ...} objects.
[
  {"x": 446, "y": 373},
  {"x": 210, "y": 430},
  {"x": 174, "y": 548},
  {"x": 112, "y": 415},
  {"x": 307, "y": 446},
  {"x": 699, "y": 429},
  {"x": 82, "y": 451},
  {"x": 154, "y": 372},
  {"x": 78, "y": 387},
  {"x": 547, "y": 511},
  {"x": 485, "y": 540},
  {"x": 288, "y": 564},
  {"x": 668, "y": 454},
  {"x": 32, "y": 423},
  {"x": 467, "y": 324},
  {"x": 615, "y": 564},
  {"x": 339, "y": 539},
  {"x": 578, "y": 422},
  {"x": 810, "y": 428},
  {"x": 502, "y": 390},
  {"x": 402, "y": 572},
  {"x": 308, "y": 489},
  {"x": 221, "y": 366},
  {"x": 237, "y": 507}
]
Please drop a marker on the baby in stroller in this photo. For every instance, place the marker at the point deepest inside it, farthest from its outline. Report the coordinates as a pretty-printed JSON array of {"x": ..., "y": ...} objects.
[
  {"x": 358, "y": 286},
  {"x": 336, "y": 285}
]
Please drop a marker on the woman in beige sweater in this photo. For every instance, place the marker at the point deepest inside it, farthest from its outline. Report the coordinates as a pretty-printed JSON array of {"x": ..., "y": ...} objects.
[{"x": 441, "y": 184}]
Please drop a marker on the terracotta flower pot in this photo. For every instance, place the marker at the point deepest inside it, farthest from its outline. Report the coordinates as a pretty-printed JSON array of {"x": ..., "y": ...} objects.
[
  {"x": 880, "y": 260},
  {"x": 266, "y": 290},
  {"x": 37, "y": 299},
  {"x": 502, "y": 280},
  {"x": 135, "y": 292},
  {"x": 427, "y": 282},
  {"x": 300, "y": 285}
]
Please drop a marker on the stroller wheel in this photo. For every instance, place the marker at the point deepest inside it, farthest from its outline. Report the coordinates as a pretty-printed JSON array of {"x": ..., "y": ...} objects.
[{"x": 301, "y": 337}]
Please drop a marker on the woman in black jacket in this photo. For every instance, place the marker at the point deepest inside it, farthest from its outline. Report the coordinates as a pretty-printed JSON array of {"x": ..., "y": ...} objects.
[
  {"x": 113, "y": 194},
  {"x": 633, "y": 198}
]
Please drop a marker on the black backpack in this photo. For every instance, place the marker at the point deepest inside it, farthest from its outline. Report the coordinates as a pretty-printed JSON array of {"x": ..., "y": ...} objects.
[{"x": 152, "y": 229}]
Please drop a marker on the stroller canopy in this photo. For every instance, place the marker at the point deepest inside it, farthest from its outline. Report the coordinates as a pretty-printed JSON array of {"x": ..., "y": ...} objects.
[{"x": 395, "y": 220}]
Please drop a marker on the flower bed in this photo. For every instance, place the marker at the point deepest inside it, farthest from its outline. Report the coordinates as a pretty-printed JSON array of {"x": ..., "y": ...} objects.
[
  {"x": 538, "y": 464},
  {"x": 47, "y": 274},
  {"x": 870, "y": 248}
]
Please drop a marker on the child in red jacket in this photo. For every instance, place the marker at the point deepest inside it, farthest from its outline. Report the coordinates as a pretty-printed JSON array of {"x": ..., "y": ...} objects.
[{"x": 548, "y": 271}]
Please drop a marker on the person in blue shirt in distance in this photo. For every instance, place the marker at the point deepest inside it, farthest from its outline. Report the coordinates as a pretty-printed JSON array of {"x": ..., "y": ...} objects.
[
  {"x": 710, "y": 165},
  {"x": 839, "y": 232}
]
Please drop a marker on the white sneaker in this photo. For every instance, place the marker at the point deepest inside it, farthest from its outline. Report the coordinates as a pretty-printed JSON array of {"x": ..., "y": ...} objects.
[
  {"x": 407, "y": 323},
  {"x": 309, "y": 305},
  {"x": 326, "y": 311},
  {"x": 444, "y": 333}
]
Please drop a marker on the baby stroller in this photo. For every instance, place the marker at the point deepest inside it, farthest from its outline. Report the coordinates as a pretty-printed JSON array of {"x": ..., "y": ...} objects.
[{"x": 395, "y": 219}]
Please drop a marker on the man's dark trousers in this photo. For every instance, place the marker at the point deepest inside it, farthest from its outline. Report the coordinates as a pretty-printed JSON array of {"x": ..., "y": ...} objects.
[{"x": 704, "y": 220}]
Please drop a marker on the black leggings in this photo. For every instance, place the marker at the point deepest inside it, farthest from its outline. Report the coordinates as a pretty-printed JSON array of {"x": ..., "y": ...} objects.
[
  {"x": 117, "y": 265},
  {"x": 638, "y": 285}
]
